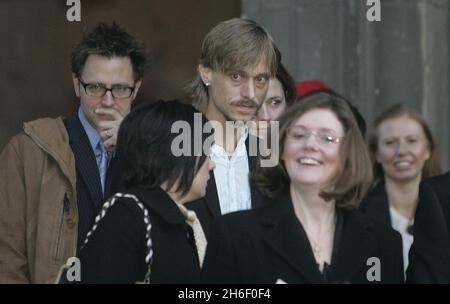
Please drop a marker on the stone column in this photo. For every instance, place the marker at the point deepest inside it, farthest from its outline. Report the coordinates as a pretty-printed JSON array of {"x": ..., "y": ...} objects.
[{"x": 402, "y": 58}]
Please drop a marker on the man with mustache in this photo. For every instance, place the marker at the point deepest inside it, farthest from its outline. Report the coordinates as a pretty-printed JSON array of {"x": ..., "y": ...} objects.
[
  {"x": 238, "y": 57},
  {"x": 55, "y": 175}
]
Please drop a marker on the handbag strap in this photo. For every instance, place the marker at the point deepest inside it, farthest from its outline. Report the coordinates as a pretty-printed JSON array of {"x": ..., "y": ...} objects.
[{"x": 148, "y": 227}]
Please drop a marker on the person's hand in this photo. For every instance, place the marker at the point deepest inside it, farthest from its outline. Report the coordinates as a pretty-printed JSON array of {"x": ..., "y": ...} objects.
[{"x": 108, "y": 129}]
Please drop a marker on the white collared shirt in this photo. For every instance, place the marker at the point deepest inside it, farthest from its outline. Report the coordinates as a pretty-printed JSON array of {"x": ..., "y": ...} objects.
[
  {"x": 401, "y": 224},
  {"x": 232, "y": 176}
]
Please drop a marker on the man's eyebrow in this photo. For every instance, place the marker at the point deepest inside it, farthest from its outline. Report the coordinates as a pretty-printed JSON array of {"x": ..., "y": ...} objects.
[
  {"x": 263, "y": 74},
  {"x": 240, "y": 72},
  {"x": 122, "y": 84}
]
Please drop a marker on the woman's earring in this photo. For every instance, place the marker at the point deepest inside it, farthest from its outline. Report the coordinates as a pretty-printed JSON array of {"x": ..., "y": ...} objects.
[{"x": 207, "y": 84}]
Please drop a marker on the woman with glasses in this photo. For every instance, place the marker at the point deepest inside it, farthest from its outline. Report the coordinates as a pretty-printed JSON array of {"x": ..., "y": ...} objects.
[
  {"x": 311, "y": 231},
  {"x": 404, "y": 152}
]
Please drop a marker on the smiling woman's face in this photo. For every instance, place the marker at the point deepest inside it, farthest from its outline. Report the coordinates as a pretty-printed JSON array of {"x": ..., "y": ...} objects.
[
  {"x": 402, "y": 148},
  {"x": 309, "y": 160}
]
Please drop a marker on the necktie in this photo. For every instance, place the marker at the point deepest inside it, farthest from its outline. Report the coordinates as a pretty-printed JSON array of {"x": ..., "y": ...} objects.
[
  {"x": 102, "y": 162},
  {"x": 199, "y": 235}
]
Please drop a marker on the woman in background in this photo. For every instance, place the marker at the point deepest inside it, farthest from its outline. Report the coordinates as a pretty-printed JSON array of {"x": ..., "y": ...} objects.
[
  {"x": 280, "y": 94},
  {"x": 404, "y": 152}
]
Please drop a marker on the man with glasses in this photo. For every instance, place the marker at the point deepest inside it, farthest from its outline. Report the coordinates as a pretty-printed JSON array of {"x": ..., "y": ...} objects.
[{"x": 55, "y": 175}]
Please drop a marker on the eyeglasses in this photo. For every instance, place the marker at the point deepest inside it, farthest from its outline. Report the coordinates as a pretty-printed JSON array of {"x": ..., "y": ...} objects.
[
  {"x": 98, "y": 90},
  {"x": 323, "y": 138}
]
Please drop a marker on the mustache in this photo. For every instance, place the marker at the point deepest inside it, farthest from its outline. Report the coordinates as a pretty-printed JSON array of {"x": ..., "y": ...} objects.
[{"x": 246, "y": 103}]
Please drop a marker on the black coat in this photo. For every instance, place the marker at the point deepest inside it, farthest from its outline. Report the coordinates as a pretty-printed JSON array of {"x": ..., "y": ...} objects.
[
  {"x": 441, "y": 187},
  {"x": 269, "y": 243},
  {"x": 429, "y": 260},
  {"x": 116, "y": 251},
  {"x": 208, "y": 207}
]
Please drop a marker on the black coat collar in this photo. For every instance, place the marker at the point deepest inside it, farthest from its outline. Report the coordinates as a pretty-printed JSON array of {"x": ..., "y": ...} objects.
[
  {"x": 441, "y": 187},
  {"x": 428, "y": 210},
  {"x": 160, "y": 203},
  {"x": 287, "y": 237},
  {"x": 428, "y": 256},
  {"x": 429, "y": 260},
  {"x": 376, "y": 204}
]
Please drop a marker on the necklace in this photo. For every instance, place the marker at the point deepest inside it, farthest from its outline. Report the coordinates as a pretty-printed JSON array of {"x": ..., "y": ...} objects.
[
  {"x": 316, "y": 243},
  {"x": 316, "y": 248}
]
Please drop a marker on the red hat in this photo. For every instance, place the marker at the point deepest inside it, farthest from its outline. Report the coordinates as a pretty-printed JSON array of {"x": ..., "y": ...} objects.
[{"x": 306, "y": 86}]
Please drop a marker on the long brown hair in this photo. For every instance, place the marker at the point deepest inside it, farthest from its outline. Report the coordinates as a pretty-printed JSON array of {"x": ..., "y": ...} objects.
[{"x": 354, "y": 176}]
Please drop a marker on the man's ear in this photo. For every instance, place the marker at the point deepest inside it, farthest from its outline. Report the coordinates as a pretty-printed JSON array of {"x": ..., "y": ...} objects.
[
  {"x": 205, "y": 74},
  {"x": 137, "y": 85},
  {"x": 76, "y": 85}
]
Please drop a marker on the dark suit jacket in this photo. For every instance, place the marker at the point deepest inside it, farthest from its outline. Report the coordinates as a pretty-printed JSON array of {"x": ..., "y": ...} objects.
[
  {"x": 429, "y": 260},
  {"x": 208, "y": 207},
  {"x": 89, "y": 190},
  {"x": 441, "y": 187},
  {"x": 115, "y": 253},
  {"x": 269, "y": 243}
]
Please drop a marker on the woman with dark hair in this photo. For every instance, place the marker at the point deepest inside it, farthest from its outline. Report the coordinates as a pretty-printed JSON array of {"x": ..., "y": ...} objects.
[
  {"x": 118, "y": 249},
  {"x": 280, "y": 94},
  {"x": 404, "y": 152},
  {"x": 311, "y": 232}
]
